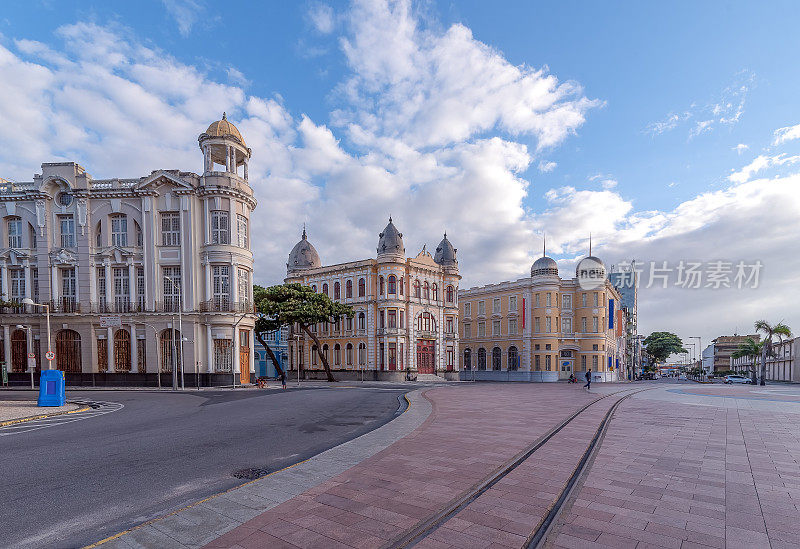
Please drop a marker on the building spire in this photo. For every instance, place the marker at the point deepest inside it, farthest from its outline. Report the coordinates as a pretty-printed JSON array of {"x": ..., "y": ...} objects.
[
  {"x": 590, "y": 244},
  {"x": 304, "y": 231},
  {"x": 224, "y": 116},
  {"x": 544, "y": 244}
]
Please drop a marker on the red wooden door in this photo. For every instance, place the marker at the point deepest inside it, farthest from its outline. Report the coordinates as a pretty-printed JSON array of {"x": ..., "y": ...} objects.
[{"x": 425, "y": 356}]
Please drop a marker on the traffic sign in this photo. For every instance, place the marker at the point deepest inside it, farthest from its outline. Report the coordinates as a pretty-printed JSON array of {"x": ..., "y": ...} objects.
[
  {"x": 49, "y": 355},
  {"x": 31, "y": 355}
]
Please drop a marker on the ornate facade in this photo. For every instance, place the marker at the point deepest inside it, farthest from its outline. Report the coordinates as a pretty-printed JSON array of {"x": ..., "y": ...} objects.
[
  {"x": 541, "y": 328},
  {"x": 135, "y": 254},
  {"x": 406, "y": 311}
]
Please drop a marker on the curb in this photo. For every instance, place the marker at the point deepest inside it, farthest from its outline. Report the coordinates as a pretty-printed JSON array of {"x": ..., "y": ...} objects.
[{"x": 42, "y": 416}]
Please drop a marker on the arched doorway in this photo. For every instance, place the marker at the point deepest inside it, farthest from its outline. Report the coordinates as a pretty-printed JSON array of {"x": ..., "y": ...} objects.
[
  {"x": 467, "y": 359},
  {"x": 19, "y": 351},
  {"x": 497, "y": 357},
  {"x": 481, "y": 359},
  {"x": 122, "y": 351},
  {"x": 513, "y": 358},
  {"x": 68, "y": 351},
  {"x": 426, "y": 353}
]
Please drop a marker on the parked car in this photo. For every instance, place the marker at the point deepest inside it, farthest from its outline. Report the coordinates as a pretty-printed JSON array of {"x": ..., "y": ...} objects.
[{"x": 733, "y": 378}]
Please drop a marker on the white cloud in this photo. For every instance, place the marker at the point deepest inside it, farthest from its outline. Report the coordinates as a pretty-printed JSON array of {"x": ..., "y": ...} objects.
[
  {"x": 789, "y": 133},
  {"x": 547, "y": 166},
  {"x": 322, "y": 18},
  {"x": 760, "y": 163},
  {"x": 740, "y": 148},
  {"x": 185, "y": 12},
  {"x": 726, "y": 109}
]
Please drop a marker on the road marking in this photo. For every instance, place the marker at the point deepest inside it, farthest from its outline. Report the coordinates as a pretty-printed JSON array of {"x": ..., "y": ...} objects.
[
  {"x": 89, "y": 409},
  {"x": 43, "y": 416}
]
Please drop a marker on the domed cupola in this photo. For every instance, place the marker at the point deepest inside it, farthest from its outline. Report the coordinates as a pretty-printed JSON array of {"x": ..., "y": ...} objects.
[
  {"x": 591, "y": 263},
  {"x": 223, "y": 145},
  {"x": 303, "y": 256},
  {"x": 544, "y": 266},
  {"x": 391, "y": 241},
  {"x": 445, "y": 253}
]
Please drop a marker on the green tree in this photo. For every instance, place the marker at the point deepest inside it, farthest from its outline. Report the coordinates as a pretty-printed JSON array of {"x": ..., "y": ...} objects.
[
  {"x": 662, "y": 344},
  {"x": 295, "y": 304},
  {"x": 749, "y": 349},
  {"x": 265, "y": 324},
  {"x": 770, "y": 331}
]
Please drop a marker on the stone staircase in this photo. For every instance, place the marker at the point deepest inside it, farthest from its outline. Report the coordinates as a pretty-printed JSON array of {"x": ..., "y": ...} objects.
[{"x": 430, "y": 377}]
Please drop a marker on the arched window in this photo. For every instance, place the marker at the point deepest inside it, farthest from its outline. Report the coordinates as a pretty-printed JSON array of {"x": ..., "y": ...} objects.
[
  {"x": 392, "y": 284},
  {"x": 68, "y": 351},
  {"x": 362, "y": 354},
  {"x": 314, "y": 355},
  {"x": 497, "y": 356},
  {"x": 481, "y": 359},
  {"x": 380, "y": 285},
  {"x": 513, "y": 358},
  {"x": 325, "y": 288},
  {"x": 449, "y": 294},
  {"x": 362, "y": 321},
  {"x": 426, "y": 322},
  {"x": 435, "y": 292},
  {"x": 337, "y": 354},
  {"x": 314, "y": 287},
  {"x": 427, "y": 290},
  {"x": 348, "y": 289},
  {"x": 467, "y": 359},
  {"x": 122, "y": 351},
  {"x": 401, "y": 285},
  {"x": 362, "y": 287},
  {"x": 417, "y": 289},
  {"x": 348, "y": 354},
  {"x": 336, "y": 290},
  {"x": 325, "y": 351}
]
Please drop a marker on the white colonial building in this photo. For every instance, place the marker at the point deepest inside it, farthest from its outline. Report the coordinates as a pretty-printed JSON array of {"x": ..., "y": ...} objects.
[
  {"x": 148, "y": 256},
  {"x": 406, "y": 311}
]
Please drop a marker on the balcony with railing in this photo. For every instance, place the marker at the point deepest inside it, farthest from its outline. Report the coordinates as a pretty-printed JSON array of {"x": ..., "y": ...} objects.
[
  {"x": 65, "y": 305},
  {"x": 226, "y": 306}
]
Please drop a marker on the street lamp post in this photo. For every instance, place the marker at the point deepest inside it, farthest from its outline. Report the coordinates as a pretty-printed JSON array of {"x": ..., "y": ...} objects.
[
  {"x": 700, "y": 352},
  {"x": 29, "y": 301},
  {"x": 177, "y": 289}
]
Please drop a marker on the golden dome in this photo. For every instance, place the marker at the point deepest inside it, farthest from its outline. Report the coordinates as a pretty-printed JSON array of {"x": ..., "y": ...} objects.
[{"x": 222, "y": 128}]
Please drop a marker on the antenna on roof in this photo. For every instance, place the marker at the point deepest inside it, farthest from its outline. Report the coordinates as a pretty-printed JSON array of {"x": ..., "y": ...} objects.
[
  {"x": 544, "y": 244},
  {"x": 590, "y": 243}
]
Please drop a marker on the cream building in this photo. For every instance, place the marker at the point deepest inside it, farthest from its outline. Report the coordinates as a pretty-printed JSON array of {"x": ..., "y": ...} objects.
[
  {"x": 541, "y": 328},
  {"x": 149, "y": 257},
  {"x": 406, "y": 311}
]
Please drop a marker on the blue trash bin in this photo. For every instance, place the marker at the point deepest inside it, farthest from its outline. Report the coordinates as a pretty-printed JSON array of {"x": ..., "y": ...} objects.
[{"x": 51, "y": 388}]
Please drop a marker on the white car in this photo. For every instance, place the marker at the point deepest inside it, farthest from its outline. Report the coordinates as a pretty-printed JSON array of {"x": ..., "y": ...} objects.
[{"x": 736, "y": 379}]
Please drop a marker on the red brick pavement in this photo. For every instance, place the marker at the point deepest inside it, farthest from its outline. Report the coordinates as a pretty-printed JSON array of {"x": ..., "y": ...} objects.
[
  {"x": 471, "y": 431},
  {"x": 677, "y": 475}
]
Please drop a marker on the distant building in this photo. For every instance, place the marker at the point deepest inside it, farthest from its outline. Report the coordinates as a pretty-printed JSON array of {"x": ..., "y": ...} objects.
[
  {"x": 717, "y": 356},
  {"x": 137, "y": 250},
  {"x": 406, "y": 310},
  {"x": 627, "y": 283},
  {"x": 278, "y": 341},
  {"x": 782, "y": 367},
  {"x": 541, "y": 328}
]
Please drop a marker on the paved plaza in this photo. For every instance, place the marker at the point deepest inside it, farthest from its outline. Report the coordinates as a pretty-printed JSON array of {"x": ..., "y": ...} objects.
[{"x": 483, "y": 465}]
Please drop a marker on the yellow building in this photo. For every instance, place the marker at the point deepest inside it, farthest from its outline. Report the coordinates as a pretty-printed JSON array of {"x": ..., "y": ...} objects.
[
  {"x": 406, "y": 311},
  {"x": 541, "y": 328}
]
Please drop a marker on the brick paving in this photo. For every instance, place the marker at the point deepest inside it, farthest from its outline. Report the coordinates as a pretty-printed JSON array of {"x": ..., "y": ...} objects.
[
  {"x": 688, "y": 476},
  {"x": 473, "y": 429}
]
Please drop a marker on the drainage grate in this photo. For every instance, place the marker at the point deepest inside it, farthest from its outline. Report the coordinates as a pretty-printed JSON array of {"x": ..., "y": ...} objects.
[{"x": 251, "y": 473}]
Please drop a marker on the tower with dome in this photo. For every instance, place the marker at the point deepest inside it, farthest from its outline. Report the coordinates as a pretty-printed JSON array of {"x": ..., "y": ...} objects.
[
  {"x": 406, "y": 311},
  {"x": 148, "y": 279}
]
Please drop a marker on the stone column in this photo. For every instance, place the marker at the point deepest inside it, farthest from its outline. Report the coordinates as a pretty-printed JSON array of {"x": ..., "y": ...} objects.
[
  {"x": 207, "y": 268},
  {"x": 110, "y": 353},
  {"x": 7, "y": 346},
  {"x": 134, "y": 350},
  {"x": 209, "y": 350},
  {"x": 131, "y": 285},
  {"x": 233, "y": 161},
  {"x": 53, "y": 283},
  {"x": 236, "y": 369},
  {"x": 245, "y": 169},
  {"x": 227, "y": 158},
  {"x": 4, "y": 280},
  {"x": 109, "y": 283},
  {"x": 28, "y": 285}
]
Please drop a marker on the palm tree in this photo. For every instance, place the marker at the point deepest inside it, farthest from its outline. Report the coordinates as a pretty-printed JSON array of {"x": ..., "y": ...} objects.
[
  {"x": 752, "y": 350},
  {"x": 779, "y": 330}
]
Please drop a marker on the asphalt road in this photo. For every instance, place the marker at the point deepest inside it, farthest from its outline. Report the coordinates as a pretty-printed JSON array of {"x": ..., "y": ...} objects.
[{"x": 75, "y": 483}]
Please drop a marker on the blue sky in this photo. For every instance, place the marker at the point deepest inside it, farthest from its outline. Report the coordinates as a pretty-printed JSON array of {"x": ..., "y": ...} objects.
[{"x": 662, "y": 104}]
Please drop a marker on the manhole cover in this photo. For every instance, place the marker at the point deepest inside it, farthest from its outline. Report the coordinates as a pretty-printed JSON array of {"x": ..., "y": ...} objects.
[{"x": 251, "y": 473}]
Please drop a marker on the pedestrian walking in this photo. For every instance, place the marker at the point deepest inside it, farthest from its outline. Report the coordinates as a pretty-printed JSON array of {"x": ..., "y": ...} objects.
[
  {"x": 283, "y": 379},
  {"x": 588, "y": 385}
]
